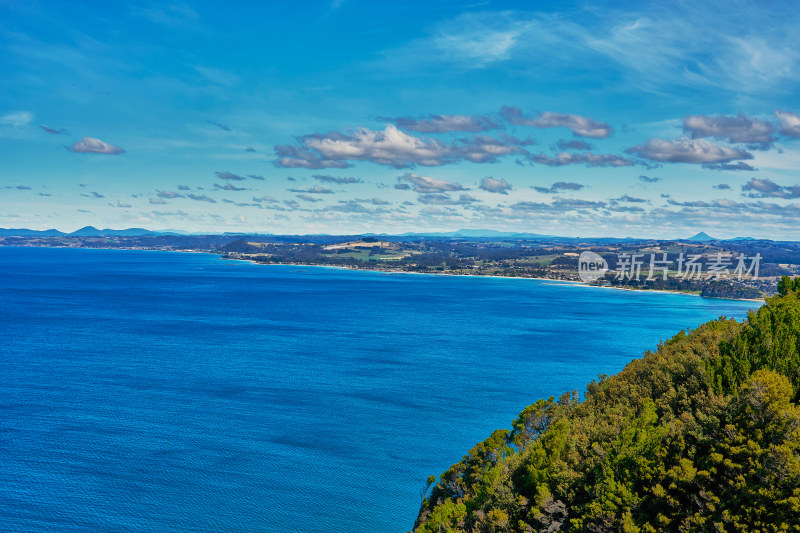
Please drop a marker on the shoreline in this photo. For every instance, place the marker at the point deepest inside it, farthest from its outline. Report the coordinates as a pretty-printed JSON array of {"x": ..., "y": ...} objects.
[
  {"x": 575, "y": 282},
  {"x": 390, "y": 272}
]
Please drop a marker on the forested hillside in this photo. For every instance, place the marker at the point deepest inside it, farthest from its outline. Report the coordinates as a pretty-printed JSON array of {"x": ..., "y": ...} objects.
[{"x": 702, "y": 434}]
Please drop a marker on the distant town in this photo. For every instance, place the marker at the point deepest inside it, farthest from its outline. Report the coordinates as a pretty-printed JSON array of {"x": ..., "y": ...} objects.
[{"x": 737, "y": 268}]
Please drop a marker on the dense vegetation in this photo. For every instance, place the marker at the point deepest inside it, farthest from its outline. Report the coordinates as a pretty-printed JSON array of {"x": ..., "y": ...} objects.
[{"x": 702, "y": 434}]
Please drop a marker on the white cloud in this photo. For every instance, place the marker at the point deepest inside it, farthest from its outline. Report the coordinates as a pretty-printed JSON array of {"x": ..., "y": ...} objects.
[
  {"x": 17, "y": 118},
  {"x": 90, "y": 145},
  {"x": 580, "y": 125},
  {"x": 790, "y": 123},
  {"x": 428, "y": 185},
  {"x": 446, "y": 123},
  {"x": 388, "y": 147},
  {"x": 392, "y": 147},
  {"x": 686, "y": 150},
  {"x": 738, "y": 129},
  {"x": 499, "y": 186},
  {"x": 585, "y": 158}
]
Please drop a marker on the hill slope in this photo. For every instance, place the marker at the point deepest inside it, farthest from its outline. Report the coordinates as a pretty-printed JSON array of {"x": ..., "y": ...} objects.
[{"x": 702, "y": 434}]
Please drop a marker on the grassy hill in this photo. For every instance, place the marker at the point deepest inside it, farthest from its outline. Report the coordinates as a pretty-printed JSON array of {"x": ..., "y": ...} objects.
[{"x": 702, "y": 434}]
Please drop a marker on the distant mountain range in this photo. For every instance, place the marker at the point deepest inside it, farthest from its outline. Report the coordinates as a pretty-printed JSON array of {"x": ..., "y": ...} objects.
[
  {"x": 87, "y": 231},
  {"x": 91, "y": 231},
  {"x": 705, "y": 237}
]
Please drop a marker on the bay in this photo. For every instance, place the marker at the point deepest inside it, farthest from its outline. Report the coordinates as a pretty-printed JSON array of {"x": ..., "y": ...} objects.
[{"x": 160, "y": 391}]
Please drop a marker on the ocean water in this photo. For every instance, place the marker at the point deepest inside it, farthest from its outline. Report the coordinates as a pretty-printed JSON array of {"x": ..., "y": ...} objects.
[{"x": 157, "y": 391}]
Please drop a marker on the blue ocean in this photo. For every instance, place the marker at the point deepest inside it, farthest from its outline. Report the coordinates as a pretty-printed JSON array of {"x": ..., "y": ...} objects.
[{"x": 159, "y": 391}]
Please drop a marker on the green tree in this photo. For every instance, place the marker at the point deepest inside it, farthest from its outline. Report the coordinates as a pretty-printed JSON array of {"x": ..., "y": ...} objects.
[{"x": 702, "y": 434}]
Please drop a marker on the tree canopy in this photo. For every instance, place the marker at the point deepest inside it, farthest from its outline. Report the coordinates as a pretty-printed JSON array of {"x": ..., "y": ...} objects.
[{"x": 702, "y": 434}]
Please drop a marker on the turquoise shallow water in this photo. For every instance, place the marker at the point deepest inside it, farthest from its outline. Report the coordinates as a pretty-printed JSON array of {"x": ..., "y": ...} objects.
[{"x": 155, "y": 391}]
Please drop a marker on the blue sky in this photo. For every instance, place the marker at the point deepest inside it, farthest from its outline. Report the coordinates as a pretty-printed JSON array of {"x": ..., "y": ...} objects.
[{"x": 626, "y": 119}]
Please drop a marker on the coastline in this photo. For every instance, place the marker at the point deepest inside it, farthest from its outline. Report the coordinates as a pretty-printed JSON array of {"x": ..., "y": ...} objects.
[
  {"x": 574, "y": 282},
  {"x": 390, "y": 272}
]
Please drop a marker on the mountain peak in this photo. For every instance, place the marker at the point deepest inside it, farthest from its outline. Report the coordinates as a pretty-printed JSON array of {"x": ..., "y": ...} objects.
[
  {"x": 701, "y": 237},
  {"x": 86, "y": 231}
]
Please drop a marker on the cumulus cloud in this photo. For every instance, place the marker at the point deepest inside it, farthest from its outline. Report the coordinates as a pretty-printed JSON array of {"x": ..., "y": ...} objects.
[
  {"x": 293, "y": 204},
  {"x": 225, "y": 175},
  {"x": 558, "y": 205},
  {"x": 391, "y": 147},
  {"x": 426, "y": 184},
  {"x": 356, "y": 206},
  {"x": 308, "y": 198},
  {"x": 766, "y": 188},
  {"x": 630, "y": 199},
  {"x": 730, "y": 208},
  {"x": 170, "y": 194},
  {"x": 722, "y": 187},
  {"x": 201, "y": 198},
  {"x": 158, "y": 201},
  {"x": 574, "y": 203},
  {"x": 446, "y": 123},
  {"x": 739, "y": 165},
  {"x": 648, "y": 179},
  {"x": 375, "y": 201},
  {"x": 686, "y": 150},
  {"x": 249, "y": 149},
  {"x": 723, "y": 203},
  {"x": 499, "y": 186},
  {"x": 574, "y": 144},
  {"x": 337, "y": 180},
  {"x": 301, "y": 157},
  {"x": 229, "y": 187},
  {"x": 54, "y": 131},
  {"x": 19, "y": 187},
  {"x": 316, "y": 189},
  {"x": 240, "y": 204},
  {"x": 486, "y": 149},
  {"x": 579, "y": 125},
  {"x": 617, "y": 208},
  {"x": 789, "y": 123},
  {"x": 586, "y": 158},
  {"x": 93, "y": 194},
  {"x": 120, "y": 204},
  {"x": 739, "y": 129},
  {"x": 349, "y": 206},
  {"x": 45, "y": 194},
  {"x": 267, "y": 199},
  {"x": 16, "y": 118},
  {"x": 180, "y": 214},
  {"x": 559, "y": 186},
  {"x": 256, "y": 177},
  {"x": 444, "y": 199},
  {"x": 90, "y": 145},
  {"x": 184, "y": 188}
]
